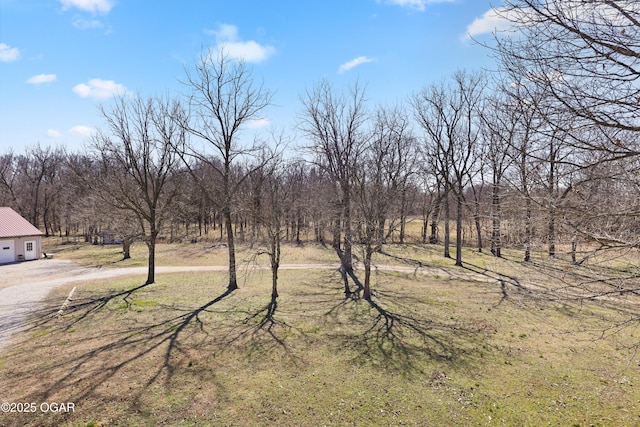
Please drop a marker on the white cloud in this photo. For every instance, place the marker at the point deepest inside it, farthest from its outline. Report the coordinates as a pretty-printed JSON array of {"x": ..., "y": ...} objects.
[
  {"x": 492, "y": 20},
  {"x": 87, "y": 24},
  {"x": 509, "y": 21},
  {"x": 225, "y": 32},
  {"x": 419, "y": 5},
  {"x": 258, "y": 123},
  {"x": 93, "y": 6},
  {"x": 81, "y": 130},
  {"x": 353, "y": 63},
  {"x": 99, "y": 89},
  {"x": 8, "y": 54},
  {"x": 52, "y": 133},
  {"x": 42, "y": 78},
  {"x": 250, "y": 51}
]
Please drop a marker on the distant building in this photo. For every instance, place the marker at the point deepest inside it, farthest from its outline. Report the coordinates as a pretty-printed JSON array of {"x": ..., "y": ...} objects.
[
  {"x": 111, "y": 237},
  {"x": 19, "y": 240}
]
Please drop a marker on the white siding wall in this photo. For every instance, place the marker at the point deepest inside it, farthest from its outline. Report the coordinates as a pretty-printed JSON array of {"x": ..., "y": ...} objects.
[
  {"x": 20, "y": 241},
  {"x": 15, "y": 251}
]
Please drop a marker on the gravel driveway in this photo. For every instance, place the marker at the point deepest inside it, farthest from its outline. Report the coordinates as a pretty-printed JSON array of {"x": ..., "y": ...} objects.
[{"x": 24, "y": 285}]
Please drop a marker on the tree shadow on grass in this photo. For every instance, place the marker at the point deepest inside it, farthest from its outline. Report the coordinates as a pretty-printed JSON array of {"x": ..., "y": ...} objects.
[
  {"x": 92, "y": 305},
  {"x": 263, "y": 333},
  {"x": 562, "y": 282},
  {"x": 509, "y": 284},
  {"x": 572, "y": 289},
  {"x": 406, "y": 260},
  {"x": 31, "y": 316},
  {"x": 90, "y": 361},
  {"x": 386, "y": 332}
]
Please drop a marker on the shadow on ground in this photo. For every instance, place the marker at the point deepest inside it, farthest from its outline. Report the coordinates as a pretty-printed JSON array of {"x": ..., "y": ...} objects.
[
  {"x": 81, "y": 366},
  {"x": 398, "y": 330}
]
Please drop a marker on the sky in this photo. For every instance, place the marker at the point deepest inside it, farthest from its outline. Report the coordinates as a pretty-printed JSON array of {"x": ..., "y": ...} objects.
[{"x": 61, "y": 59}]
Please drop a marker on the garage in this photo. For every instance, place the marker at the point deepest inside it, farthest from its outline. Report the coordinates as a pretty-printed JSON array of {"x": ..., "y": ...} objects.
[{"x": 19, "y": 239}]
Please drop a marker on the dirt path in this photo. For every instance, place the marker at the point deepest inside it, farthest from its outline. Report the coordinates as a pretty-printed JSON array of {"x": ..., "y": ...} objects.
[{"x": 24, "y": 285}]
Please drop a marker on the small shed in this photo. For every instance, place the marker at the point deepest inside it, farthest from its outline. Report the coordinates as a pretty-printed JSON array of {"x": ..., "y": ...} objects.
[
  {"x": 110, "y": 237},
  {"x": 19, "y": 239}
]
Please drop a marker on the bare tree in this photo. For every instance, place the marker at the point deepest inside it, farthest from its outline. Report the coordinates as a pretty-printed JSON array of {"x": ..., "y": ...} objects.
[
  {"x": 428, "y": 107},
  {"x": 585, "y": 53},
  {"x": 222, "y": 99},
  {"x": 500, "y": 126},
  {"x": 137, "y": 163},
  {"x": 319, "y": 189},
  {"x": 9, "y": 176},
  {"x": 602, "y": 202},
  {"x": 380, "y": 180},
  {"x": 584, "y": 57},
  {"x": 30, "y": 179},
  {"x": 276, "y": 197},
  {"x": 335, "y": 124},
  {"x": 449, "y": 114},
  {"x": 520, "y": 107}
]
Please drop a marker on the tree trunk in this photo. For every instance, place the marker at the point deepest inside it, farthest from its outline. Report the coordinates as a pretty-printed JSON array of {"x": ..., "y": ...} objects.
[
  {"x": 527, "y": 229},
  {"x": 336, "y": 234},
  {"x": 299, "y": 220},
  {"x": 275, "y": 263},
  {"x": 425, "y": 224},
  {"x": 151, "y": 270},
  {"x": 496, "y": 242},
  {"x": 476, "y": 217},
  {"x": 348, "y": 233},
  {"x": 126, "y": 248},
  {"x": 336, "y": 243},
  {"x": 435, "y": 217},
  {"x": 459, "y": 227},
  {"x": 552, "y": 231},
  {"x": 233, "y": 283},
  {"x": 367, "y": 273},
  {"x": 221, "y": 227},
  {"x": 45, "y": 220},
  {"x": 403, "y": 214},
  {"x": 447, "y": 231}
]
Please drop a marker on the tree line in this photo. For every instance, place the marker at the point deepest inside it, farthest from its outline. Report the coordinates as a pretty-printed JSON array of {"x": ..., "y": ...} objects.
[{"x": 542, "y": 152}]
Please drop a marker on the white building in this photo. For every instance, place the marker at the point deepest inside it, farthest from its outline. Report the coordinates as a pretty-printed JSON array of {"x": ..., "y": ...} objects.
[{"x": 19, "y": 240}]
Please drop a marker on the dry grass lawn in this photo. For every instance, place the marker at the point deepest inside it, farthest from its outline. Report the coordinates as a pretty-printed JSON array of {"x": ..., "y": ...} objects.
[{"x": 496, "y": 343}]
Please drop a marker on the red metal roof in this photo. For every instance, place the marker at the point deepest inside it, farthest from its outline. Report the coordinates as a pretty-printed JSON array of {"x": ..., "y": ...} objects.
[{"x": 13, "y": 225}]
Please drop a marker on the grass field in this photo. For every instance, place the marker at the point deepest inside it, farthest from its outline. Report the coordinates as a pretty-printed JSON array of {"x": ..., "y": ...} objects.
[{"x": 498, "y": 342}]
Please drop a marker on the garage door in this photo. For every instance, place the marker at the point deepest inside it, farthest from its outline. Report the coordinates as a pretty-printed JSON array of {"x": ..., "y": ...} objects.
[{"x": 7, "y": 251}]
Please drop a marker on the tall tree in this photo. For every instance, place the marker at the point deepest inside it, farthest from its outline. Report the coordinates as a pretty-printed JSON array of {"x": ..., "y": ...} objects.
[
  {"x": 379, "y": 182},
  {"x": 335, "y": 123},
  {"x": 137, "y": 161},
  {"x": 222, "y": 99},
  {"x": 500, "y": 124},
  {"x": 518, "y": 131},
  {"x": 277, "y": 196},
  {"x": 449, "y": 114}
]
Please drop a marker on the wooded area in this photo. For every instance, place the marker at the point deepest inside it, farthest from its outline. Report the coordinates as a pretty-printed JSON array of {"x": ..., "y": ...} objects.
[{"x": 543, "y": 153}]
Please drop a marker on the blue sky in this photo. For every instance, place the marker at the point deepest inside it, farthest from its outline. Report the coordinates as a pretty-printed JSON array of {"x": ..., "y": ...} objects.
[{"x": 59, "y": 59}]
